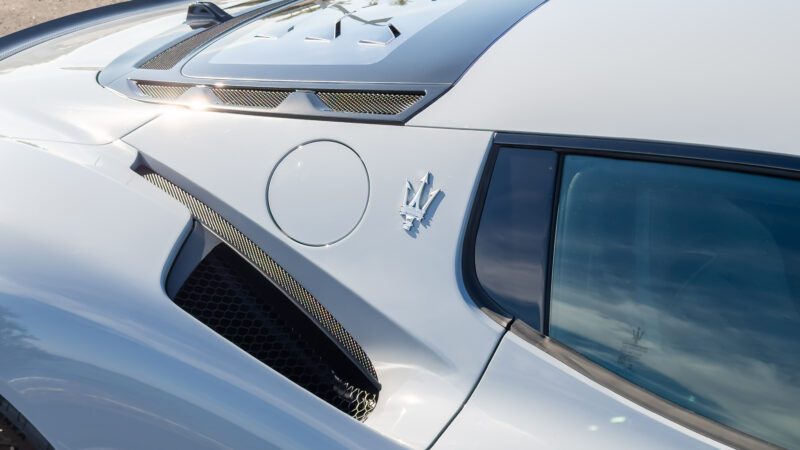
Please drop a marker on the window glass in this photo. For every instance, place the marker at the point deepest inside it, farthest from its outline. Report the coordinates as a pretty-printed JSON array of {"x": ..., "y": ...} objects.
[
  {"x": 686, "y": 281},
  {"x": 511, "y": 246}
]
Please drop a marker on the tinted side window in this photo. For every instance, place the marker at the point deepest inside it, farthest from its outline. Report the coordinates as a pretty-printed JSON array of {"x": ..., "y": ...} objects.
[
  {"x": 512, "y": 243},
  {"x": 685, "y": 281}
]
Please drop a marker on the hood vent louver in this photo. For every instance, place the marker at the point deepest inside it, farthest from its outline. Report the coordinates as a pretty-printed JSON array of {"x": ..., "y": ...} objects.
[
  {"x": 167, "y": 59},
  {"x": 383, "y": 103},
  {"x": 250, "y": 98},
  {"x": 357, "y": 60},
  {"x": 162, "y": 91},
  {"x": 241, "y": 293}
]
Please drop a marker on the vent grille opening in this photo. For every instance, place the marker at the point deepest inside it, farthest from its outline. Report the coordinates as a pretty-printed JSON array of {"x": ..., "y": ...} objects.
[
  {"x": 162, "y": 91},
  {"x": 232, "y": 298},
  {"x": 250, "y": 98},
  {"x": 266, "y": 99},
  {"x": 168, "y": 58},
  {"x": 369, "y": 102},
  {"x": 242, "y": 274},
  {"x": 250, "y": 250}
]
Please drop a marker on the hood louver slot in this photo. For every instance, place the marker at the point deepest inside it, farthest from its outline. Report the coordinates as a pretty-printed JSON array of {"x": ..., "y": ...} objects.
[
  {"x": 383, "y": 105},
  {"x": 241, "y": 293},
  {"x": 356, "y": 61},
  {"x": 369, "y": 102},
  {"x": 168, "y": 58},
  {"x": 250, "y": 98},
  {"x": 162, "y": 91}
]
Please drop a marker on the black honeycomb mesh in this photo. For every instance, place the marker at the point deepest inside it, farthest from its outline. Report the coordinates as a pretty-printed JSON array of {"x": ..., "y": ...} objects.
[
  {"x": 218, "y": 225},
  {"x": 170, "y": 57},
  {"x": 232, "y": 298}
]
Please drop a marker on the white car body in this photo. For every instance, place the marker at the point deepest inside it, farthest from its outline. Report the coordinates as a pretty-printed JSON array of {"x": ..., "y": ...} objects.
[{"x": 101, "y": 357}]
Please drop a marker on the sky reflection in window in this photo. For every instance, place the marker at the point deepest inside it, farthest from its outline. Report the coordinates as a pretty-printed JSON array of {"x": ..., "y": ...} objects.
[{"x": 686, "y": 281}]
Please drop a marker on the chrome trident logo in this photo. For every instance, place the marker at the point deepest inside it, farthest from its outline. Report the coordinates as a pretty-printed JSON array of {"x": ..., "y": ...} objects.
[{"x": 413, "y": 210}]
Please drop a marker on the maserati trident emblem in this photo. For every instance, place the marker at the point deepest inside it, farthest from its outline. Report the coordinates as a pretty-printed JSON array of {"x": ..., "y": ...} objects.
[{"x": 413, "y": 209}]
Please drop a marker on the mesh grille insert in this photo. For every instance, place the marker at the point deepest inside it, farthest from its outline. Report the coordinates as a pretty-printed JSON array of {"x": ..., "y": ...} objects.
[
  {"x": 369, "y": 102},
  {"x": 251, "y": 98},
  {"x": 233, "y": 299},
  {"x": 162, "y": 91},
  {"x": 236, "y": 239},
  {"x": 168, "y": 58},
  {"x": 258, "y": 284}
]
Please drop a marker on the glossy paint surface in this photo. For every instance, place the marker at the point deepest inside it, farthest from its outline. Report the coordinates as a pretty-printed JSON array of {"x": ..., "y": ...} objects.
[
  {"x": 50, "y": 92},
  {"x": 427, "y": 43},
  {"x": 318, "y": 192},
  {"x": 310, "y": 33},
  {"x": 397, "y": 292},
  {"x": 94, "y": 353},
  {"x": 529, "y": 400},
  {"x": 98, "y": 356},
  {"x": 713, "y": 72}
]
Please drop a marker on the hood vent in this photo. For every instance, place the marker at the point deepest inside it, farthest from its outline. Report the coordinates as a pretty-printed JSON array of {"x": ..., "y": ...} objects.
[
  {"x": 369, "y": 102},
  {"x": 162, "y": 91},
  {"x": 226, "y": 281},
  {"x": 387, "y": 105},
  {"x": 250, "y": 98},
  {"x": 168, "y": 58},
  {"x": 356, "y": 60}
]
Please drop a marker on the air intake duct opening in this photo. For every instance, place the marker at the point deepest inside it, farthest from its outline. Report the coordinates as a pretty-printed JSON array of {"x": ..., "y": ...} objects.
[
  {"x": 232, "y": 298},
  {"x": 228, "y": 283}
]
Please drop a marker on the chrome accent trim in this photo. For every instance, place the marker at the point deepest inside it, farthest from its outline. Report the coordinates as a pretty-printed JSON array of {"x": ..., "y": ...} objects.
[{"x": 414, "y": 208}]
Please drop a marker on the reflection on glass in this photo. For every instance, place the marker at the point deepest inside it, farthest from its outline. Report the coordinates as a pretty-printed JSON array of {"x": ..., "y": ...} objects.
[
  {"x": 685, "y": 281},
  {"x": 512, "y": 242}
]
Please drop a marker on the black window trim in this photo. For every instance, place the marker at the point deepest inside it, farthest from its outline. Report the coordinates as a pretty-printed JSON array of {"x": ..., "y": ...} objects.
[
  {"x": 469, "y": 272},
  {"x": 737, "y": 160},
  {"x": 20, "y": 427}
]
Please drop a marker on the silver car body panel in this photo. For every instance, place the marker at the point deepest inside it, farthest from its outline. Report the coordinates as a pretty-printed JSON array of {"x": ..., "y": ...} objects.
[
  {"x": 99, "y": 356},
  {"x": 318, "y": 46}
]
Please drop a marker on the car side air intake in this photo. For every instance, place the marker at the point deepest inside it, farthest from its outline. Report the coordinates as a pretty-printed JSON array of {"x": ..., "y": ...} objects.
[{"x": 226, "y": 281}]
